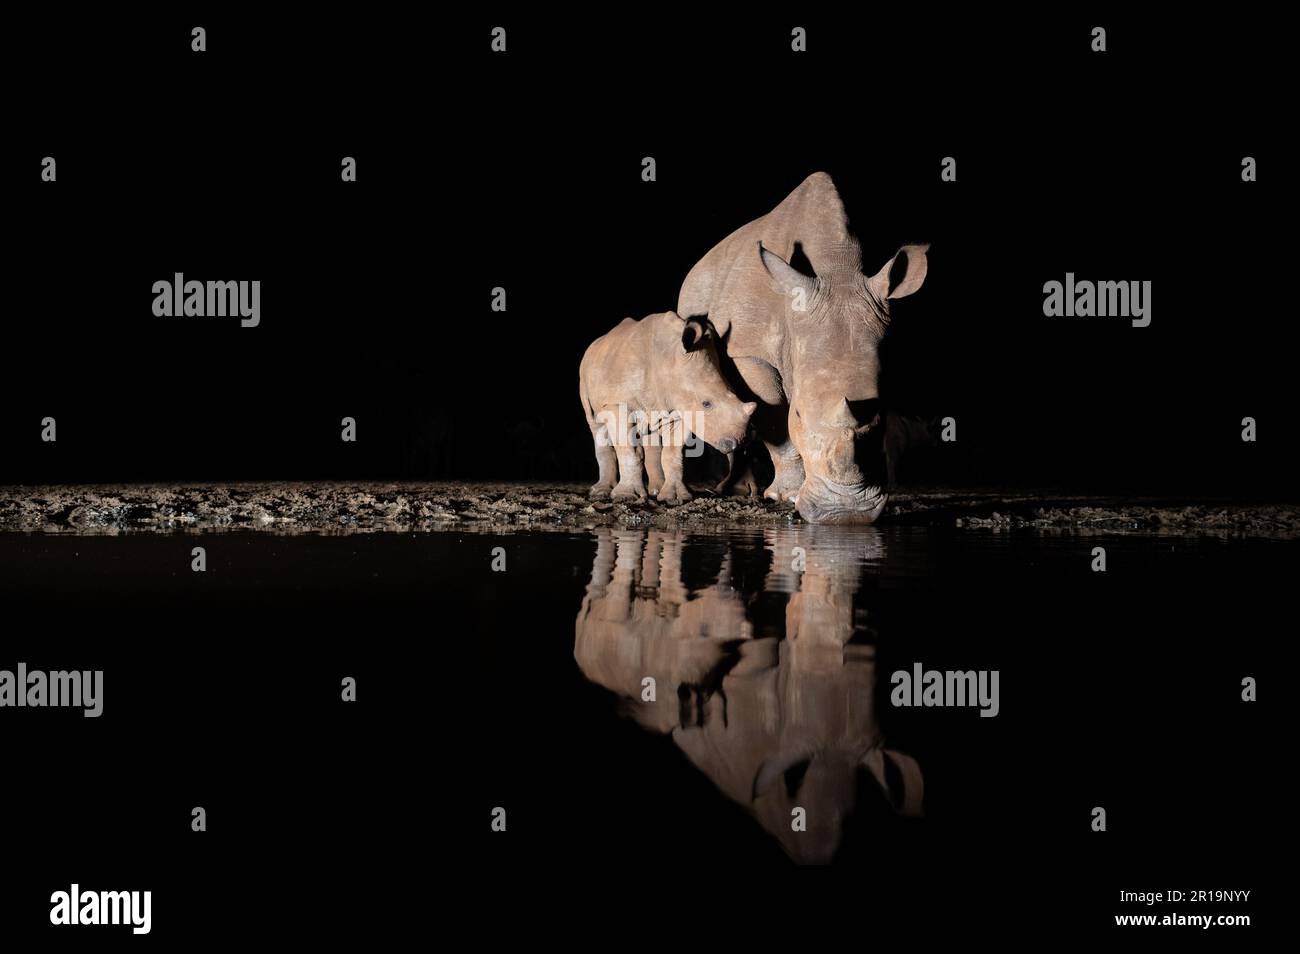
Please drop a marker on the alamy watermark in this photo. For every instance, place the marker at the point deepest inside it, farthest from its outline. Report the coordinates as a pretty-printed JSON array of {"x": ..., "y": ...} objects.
[
  {"x": 935, "y": 687},
  {"x": 103, "y": 907},
  {"x": 1088, "y": 299},
  {"x": 194, "y": 299},
  {"x": 651, "y": 429},
  {"x": 39, "y": 689}
]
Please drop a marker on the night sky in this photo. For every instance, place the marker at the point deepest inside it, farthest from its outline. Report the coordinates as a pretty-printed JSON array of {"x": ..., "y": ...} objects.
[{"x": 477, "y": 170}]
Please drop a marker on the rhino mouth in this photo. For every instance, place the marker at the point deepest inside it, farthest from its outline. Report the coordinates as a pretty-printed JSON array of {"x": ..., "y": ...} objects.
[{"x": 823, "y": 501}]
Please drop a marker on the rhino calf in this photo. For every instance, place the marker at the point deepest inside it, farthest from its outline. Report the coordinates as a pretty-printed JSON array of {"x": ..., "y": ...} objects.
[{"x": 647, "y": 386}]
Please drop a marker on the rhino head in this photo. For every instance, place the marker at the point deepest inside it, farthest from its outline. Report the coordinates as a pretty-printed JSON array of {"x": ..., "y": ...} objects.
[
  {"x": 834, "y": 322},
  {"x": 697, "y": 390}
]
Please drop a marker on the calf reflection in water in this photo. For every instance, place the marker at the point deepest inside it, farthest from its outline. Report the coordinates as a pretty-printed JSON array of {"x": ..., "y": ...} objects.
[{"x": 777, "y": 724}]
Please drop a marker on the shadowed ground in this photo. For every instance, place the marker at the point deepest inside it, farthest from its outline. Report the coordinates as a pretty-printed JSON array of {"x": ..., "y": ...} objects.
[{"x": 323, "y": 507}]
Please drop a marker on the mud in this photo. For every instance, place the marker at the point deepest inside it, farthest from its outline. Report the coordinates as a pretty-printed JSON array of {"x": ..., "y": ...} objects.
[{"x": 336, "y": 507}]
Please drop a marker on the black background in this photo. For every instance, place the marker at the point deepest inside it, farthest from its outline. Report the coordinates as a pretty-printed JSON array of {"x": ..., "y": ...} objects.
[{"x": 523, "y": 170}]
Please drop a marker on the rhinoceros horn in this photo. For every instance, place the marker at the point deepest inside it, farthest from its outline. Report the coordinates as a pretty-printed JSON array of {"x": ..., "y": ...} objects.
[{"x": 843, "y": 417}]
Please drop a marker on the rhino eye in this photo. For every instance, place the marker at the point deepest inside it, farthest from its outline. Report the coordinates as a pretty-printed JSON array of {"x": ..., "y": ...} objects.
[{"x": 707, "y": 405}]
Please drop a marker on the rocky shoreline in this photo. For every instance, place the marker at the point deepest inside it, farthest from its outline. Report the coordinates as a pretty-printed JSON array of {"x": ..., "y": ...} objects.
[{"x": 349, "y": 507}]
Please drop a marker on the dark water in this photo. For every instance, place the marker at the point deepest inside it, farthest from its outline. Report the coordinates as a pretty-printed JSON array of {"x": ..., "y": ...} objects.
[
  {"x": 1118, "y": 689},
  {"x": 771, "y": 653}
]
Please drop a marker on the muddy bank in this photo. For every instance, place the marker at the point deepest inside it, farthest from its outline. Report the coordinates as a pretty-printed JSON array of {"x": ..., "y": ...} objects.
[{"x": 329, "y": 507}]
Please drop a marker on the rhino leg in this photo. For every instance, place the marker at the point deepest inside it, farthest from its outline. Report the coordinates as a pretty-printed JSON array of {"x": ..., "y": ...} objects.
[
  {"x": 789, "y": 471},
  {"x": 654, "y": 468},
  {"x": 740, "y": 480},
  {"x": 746, "y": 484},
  {"x": 672, "y": 490},
  {"x": 630, "y": 484},
  {"x": 771, "y": 421},
  {"x": 722, "y": 486},
  {"x": 606, "y": 460}
]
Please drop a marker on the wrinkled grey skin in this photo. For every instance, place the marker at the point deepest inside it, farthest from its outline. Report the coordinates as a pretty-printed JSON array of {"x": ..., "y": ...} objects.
[
  {"x": 646, "y": 387},
  {"x": 807, "y": 346},
  {"x": 775, "y": 724}
]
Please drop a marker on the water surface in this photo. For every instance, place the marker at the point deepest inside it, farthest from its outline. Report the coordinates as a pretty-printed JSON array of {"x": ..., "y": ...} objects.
[{"x": 771, "y": 652}]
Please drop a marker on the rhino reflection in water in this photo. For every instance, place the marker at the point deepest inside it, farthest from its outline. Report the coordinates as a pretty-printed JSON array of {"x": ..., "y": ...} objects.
[{"x": 774, "y": 723}]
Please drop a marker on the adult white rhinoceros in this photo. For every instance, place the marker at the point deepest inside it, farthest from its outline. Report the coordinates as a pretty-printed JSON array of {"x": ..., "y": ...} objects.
[{"x": 806, "y": 345}]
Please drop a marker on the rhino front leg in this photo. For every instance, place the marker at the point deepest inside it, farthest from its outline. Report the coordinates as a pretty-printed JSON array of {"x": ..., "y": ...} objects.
[
  {"x": 606, "y": 460},
  {"x": 740, "y": 480},
  {"x": 722, "y": 486},
  {"x": 673, "y": 489},
  {"x": 654, "y": 469},
  {"x": 772, "y": 424},
  {"x": 789, "y": 471},
  {"x": 630, "y": 484}
]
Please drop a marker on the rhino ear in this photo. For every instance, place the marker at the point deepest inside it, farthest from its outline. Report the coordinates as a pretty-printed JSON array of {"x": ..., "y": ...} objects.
[
  {"x": 903, "y": 274},
  {"x": 900, "y": 779},
  {"x": 788, "y": 765},
  {"x": 694, "y": 333},
  {"x": 787, "y": 277}
]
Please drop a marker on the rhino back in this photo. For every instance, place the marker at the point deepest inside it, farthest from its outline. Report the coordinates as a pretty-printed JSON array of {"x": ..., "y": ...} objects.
[
  {"x": 730, "y": 284},
  {"x": 617, "y": 366}
]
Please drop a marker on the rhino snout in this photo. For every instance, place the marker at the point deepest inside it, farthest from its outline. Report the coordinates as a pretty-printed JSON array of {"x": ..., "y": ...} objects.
[
  {"x": 730, "y": 429},
  {"x": 823, "y": 501}
]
